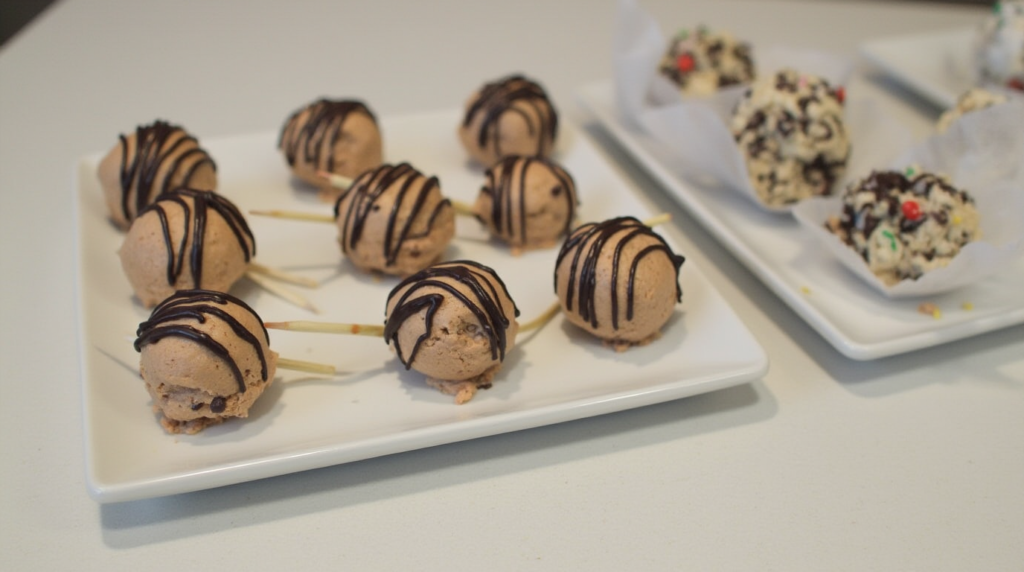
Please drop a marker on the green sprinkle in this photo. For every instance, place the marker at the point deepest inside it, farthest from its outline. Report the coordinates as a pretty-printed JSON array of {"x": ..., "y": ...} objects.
[
  {"x": 892, "y": 239},
  {"x": 683, "y": 34},
  {"x": 910, "y": 172}
]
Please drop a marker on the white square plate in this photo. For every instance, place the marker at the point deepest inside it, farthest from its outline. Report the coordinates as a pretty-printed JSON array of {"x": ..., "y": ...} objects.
[
  {"x": 861, "y": 323},
  {"x": 936, "y": 65},
  {"x": 374, "y": 407}
]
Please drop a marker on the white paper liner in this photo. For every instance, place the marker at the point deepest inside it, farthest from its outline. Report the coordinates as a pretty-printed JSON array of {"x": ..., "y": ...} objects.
[
  {"x": 982, "y": 153},
  {"x": 697, "y": 130}
]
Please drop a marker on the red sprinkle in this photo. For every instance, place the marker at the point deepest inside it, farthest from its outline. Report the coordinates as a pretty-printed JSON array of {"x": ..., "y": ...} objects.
[
  {"x": 1015, "y": 83},
  {"x": 911, "y": 210},
  {"x": 685, "y": 63},
  {"x": 841, "y": 94}
]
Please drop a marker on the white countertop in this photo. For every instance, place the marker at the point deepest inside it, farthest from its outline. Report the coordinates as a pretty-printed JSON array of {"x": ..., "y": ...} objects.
[{"x": 907, "y": 463}]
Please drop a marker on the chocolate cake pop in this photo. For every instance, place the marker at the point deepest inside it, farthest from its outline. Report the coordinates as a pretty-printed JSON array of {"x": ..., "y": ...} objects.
[
  {"x": 618, "y": 280},
  {"x": 186, "y": 239},
  {"x": 336, "y": 136},
  {"x": 511, "y": 116},
  {"x": 454, "y": 322},
  {"x": 395, "y": 220},
  {"x": 153, "y": 160},
  {"x": 528, "y": 202},
  {"x": 205, "y": 358}
]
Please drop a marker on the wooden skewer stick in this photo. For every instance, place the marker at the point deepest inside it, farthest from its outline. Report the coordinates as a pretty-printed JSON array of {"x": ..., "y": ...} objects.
[
  {"x": 327, "y": 328},
  {"x": 656, "y": 220},
  {"x": 335, "y": 180},
  {"x": 281, "y": 292},
  {"x": 311, "y": 367},
  {"x": 294, "y": 215},
  {"x": 542, "y": 319},
  {"x": 462, "y": 208},
  {"x": 283, "y": 276}
]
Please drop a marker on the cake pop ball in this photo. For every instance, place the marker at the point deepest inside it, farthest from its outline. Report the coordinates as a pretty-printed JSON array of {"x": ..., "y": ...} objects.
[
  {"x": 155, "y": 159},
  {"x": 528, "y": 202},
  {"x": 511, "y": 116},
  {"x": 205, "y": 357},
  {"x": 340, "y": 137},
  {"x": 454, "y": 322},
  {"x": 618, "y": 280},
  {"x": 394, "y": 219},
  {"x": 186, "y": 239}
]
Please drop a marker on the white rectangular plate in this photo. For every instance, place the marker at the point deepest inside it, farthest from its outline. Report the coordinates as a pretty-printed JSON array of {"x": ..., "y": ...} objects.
[
  {"x": 374, "y": 407},
  {"x": 857, "y": 320},
  {"x": 936, "y": 65}
]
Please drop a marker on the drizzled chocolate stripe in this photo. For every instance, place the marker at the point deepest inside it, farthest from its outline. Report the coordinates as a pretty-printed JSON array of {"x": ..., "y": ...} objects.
[
  {"x": 581, "y": 292},
  {"x": 485, "y": 304},
  {"x": 502, "y": 96},
  {"x": 195, "y": 219},
  {"x": 197, "y": 305},
  {"x": 366, "y": 193},
  {"x": 324, "y": 123},
  {"x": 150, "y": 156},
  {"x": 506, "y": 199}
]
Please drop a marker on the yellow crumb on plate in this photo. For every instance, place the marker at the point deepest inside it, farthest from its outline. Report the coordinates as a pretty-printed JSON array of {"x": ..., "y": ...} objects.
[{"x": 929, "y": 309}]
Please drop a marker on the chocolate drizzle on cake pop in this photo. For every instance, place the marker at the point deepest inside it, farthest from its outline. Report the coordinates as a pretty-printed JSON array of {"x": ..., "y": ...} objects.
[
  {"x": 198, "y": 305},
  {"x": 324, "y": 123},
  {"x": 508, "y": 201},
  {"x": 366, "y": 193},
  {"x": 510, "y": 95},
  {"x": 194, "y": 223},
  {"x": 483, "y": 301},
  {"x": 586, "y": 258},
  {"x": 142, "y": 167}
]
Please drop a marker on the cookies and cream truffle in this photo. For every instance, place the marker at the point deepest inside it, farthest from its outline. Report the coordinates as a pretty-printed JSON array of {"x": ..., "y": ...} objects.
[
  {"x": 186, "y": 239},
  {"x": 618, "y": 280},
  {"x": 205, "y": 358},
  {"x": 999, "y": 45},
  {"x": 511, "y": 116},
  {"x": 974, "y": 99},
  {"x": 394, "y": 219},
  {"x": 454, "y": 322},
  {"x": 701, "y": 61},
  {"x": 154, "y": 159},
  {"x": 789, "y": 127},
  {"x": 528, "y": 202},
  {"x": 905, "y": 224},
  {"x": 337, "y": 136}
]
